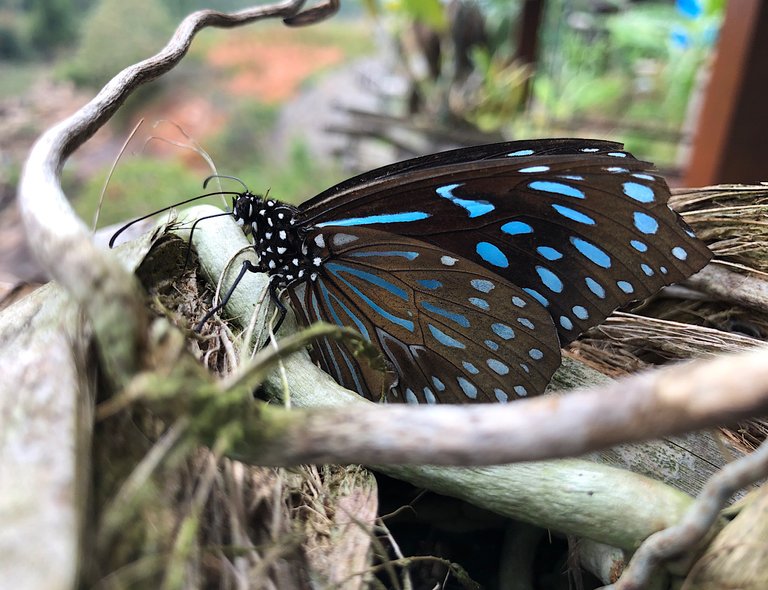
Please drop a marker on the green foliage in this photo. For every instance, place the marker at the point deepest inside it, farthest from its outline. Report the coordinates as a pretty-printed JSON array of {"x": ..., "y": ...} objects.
[
  {"x": 53, "y": 24},
  {"x": 429, "y": 12},
  {"x": 501, "y": 94},
  {"x": 13, "y": 45},
  {"x": 294, "y": 180},
  {"x": 243, "y": 149},
  {"x": 139, "y": 185},
  {"x": 146, "y": 183},
  {"x": 247, "y": 133},
  {"x": 642, "y": 33},
  {"x": 638, "y": 67},
  {"x": 115, "y": 35}
]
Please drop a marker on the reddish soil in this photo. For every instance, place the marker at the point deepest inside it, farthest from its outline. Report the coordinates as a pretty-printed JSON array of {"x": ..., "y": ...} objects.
[{"x": 271, "y": 72}]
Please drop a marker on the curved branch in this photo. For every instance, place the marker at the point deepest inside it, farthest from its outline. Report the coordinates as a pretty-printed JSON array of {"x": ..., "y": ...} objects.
[
  {"x": 696, "y": 523},
  {"x": 61, "y": 241},
  {"x": 680, "y": 398}
]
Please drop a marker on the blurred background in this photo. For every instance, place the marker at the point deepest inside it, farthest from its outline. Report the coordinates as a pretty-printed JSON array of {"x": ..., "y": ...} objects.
[{"x": 296, "y": 110}]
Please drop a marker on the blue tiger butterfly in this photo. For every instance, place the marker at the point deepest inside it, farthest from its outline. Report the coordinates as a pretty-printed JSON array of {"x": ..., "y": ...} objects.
[{"x": 470, "y": 269}]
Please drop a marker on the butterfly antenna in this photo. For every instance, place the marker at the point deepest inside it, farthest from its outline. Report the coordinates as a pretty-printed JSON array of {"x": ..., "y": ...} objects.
[
  {"x": 148, "y": 215},
  {"x": 235, "y": 178}
]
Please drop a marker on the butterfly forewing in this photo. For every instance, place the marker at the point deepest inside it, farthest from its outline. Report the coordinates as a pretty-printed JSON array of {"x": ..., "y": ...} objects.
[
  {"x": 351, "y": 188},
  {"x": 450, "y": 329},
  {"x": 581, "y": 233}
]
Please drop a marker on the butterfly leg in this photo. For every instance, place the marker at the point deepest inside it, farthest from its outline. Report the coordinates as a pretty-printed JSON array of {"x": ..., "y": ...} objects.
[
  {"x": 273, "y": 295},
  {"x": 248, "y": 266}
]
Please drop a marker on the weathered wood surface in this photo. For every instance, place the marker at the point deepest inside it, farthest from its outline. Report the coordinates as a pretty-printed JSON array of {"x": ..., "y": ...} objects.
[{"x": 46, "y": 393}]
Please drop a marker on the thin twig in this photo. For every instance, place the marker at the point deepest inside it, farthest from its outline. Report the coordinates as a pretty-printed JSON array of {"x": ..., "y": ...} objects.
[
  {"x": 683, "y": 537},
  {"x": 61, "y": 241}
]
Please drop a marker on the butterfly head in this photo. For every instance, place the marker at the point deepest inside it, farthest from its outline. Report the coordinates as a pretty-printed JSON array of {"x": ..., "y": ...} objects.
[
  {"x": 245, "y": 207},
  {"x": 280, "y": 244}
]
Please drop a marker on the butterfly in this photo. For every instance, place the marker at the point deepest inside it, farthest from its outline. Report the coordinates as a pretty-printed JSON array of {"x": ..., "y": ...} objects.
[{"x": 470, "y": 269}]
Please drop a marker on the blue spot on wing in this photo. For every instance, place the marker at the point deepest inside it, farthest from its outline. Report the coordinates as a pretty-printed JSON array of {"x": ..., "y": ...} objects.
[
  {"x": 580, "y": 312},
  {"x": 456, "y": 317},
  {"x": 549, "y": 253},
  {"x": 430, "y": 284},
  {"x": 558, "y": 188},
  {"x": 404, "y": 217},
  {"x": 573, "y": 215},
  {"x": 639, "y": 192},
  {"x": 595, "y": 287},
  {"x": 444, "y": 338},
  {"x": 337, "y": 268},
  {"x": 592, "y": 252},
  {"x": 497, "y": 366},
  {"x": 515, "y": 228},
  {"x": 396, "y": 253},
  {"x": 550, "y": 279},
  {"x": 470, "y": 368},
  {"x": 679, "y": 253},
  {"x": 645, "y": 223},
  {"x": 467, "y": 387},
  {"x": 537, "y": 296},
  {"x": 625, "y": 286},
  {"x": 492, "y": 255},
  {"x": 482, "y": 285},
  {"x": 521, "y": 153},
  {"x": 503, "y": 331},
  {"x": 473, "y": 207},
  {"x": 481, "y": 303}
]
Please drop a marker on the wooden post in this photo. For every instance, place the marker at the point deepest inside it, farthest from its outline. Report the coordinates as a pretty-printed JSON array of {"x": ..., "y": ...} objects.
[{"x": 731, "y": 138}]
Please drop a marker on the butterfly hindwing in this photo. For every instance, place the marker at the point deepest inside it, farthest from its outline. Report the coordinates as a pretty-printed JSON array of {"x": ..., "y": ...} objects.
[{"x": 450, "y": 329}]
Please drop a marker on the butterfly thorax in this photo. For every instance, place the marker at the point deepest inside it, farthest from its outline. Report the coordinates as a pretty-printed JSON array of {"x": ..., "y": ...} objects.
[{"x": 279, "y": 243}]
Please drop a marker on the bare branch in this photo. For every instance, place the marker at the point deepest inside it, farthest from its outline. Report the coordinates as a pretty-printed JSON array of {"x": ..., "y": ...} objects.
[
  {"x": 697, "y": 522},
  {"x": 60, "y": 240},
  {"x": 733, "y": 287},
  {"x": 684, "y": 397}
]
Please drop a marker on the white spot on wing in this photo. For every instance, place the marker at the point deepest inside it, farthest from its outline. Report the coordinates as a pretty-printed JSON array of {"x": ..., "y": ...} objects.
[{"x": 448, "y": 260}]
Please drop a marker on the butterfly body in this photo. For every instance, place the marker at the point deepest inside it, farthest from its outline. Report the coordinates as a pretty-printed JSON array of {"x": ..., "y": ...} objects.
[{"x": 469, "y": 269}]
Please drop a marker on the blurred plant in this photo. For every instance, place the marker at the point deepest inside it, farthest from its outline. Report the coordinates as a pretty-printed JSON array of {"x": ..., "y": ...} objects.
[
  {"x": 500, "y": 94},
  {"x": 106, "y": 48},
  {"x": 52, "y": 25},
  {"x": 637, "y": 66},
  {"x": 139, "y": 185}
]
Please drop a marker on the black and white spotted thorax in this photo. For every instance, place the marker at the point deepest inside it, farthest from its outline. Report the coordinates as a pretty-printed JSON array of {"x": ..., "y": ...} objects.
[{"x": 284, "y": 253}]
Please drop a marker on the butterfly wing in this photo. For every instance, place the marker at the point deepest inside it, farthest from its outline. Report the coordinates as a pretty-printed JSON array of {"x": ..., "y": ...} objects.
[
  {"x": 449, "y": 328},
  {"x": 582, "y": 233},
  {"x": 513, "y": 149}
]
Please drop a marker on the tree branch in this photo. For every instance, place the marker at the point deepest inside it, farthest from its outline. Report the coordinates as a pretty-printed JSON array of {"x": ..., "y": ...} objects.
[
  {"x": 696, "y": 523},
  {"x": 684, "y": 397},
  {"x": 60, "y": 240}
]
